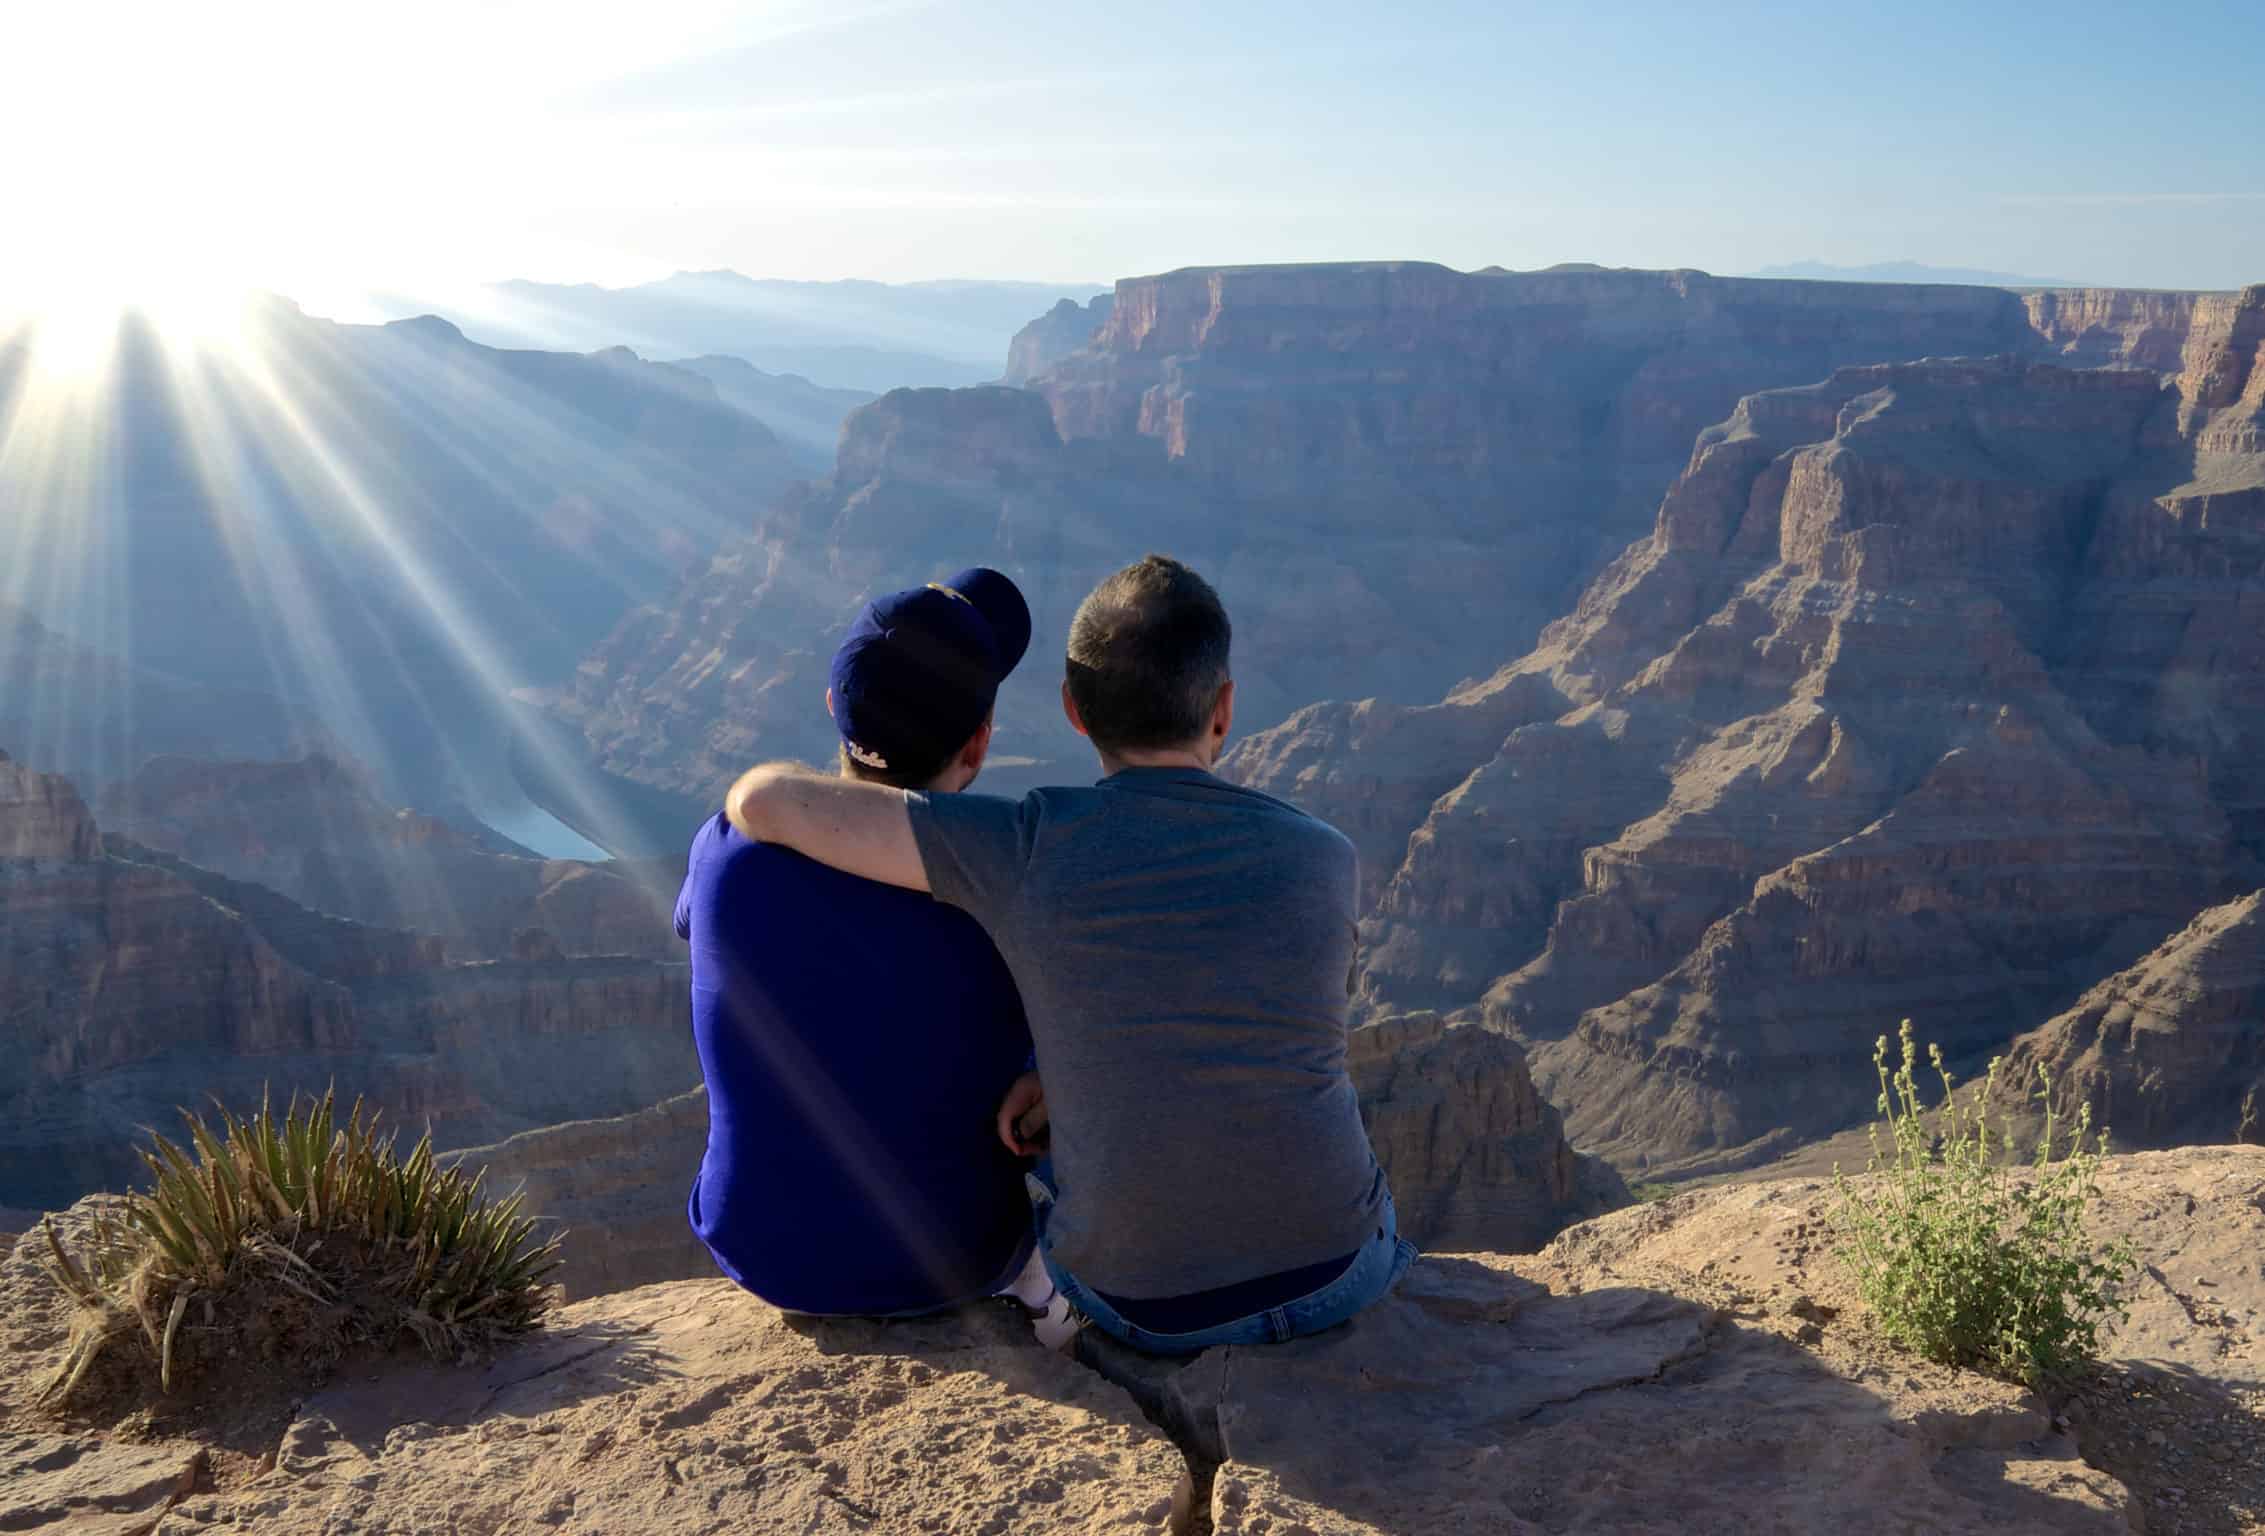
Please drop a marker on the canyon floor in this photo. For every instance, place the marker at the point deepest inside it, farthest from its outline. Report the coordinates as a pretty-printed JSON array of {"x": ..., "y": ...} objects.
[{"x": 1695, "y": 1364}]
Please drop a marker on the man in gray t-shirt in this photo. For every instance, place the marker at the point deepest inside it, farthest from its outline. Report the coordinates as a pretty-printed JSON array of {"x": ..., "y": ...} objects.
[{"x": 1183, "y": 948}]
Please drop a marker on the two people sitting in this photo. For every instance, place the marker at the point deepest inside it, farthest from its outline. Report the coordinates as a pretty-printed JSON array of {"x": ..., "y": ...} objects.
[{"x": 902, "y": 991}]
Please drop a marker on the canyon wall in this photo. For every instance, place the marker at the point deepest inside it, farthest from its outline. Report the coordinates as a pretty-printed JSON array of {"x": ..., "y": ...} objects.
[
  {"x": 1396, "y": 474},
  {"x": 1932, "y": 693},
  {"x": 132, "y": 983},
  {"x": 1064, "y": 329},
  {"x": 2168, "y": 1052},
  {"x": 314, "y": 829}
]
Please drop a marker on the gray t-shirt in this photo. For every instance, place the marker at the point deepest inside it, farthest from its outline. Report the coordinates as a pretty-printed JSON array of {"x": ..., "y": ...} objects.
[{"x": 1183, "y": 948}]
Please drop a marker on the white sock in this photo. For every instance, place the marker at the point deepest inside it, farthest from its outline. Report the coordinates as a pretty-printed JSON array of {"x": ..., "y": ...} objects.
[{"x": 1050, "y": 1316}]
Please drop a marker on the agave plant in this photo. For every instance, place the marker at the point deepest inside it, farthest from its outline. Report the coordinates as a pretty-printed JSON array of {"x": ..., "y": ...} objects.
[{"x": 252, "y": 1203}]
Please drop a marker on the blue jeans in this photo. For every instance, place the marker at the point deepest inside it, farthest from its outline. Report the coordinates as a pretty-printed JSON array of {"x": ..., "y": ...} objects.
[{"x": 1376, "y": 1268}]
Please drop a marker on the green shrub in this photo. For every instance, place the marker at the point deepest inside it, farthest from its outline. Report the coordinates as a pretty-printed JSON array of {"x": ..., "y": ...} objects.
[
  {"x": 299, "y": 1235},
  {"x": 1965, "y": 1257}
]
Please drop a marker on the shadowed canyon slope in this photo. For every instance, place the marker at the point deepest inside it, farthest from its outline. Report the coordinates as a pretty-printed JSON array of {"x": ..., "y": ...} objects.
[
  {"x": 1396, "y": 473},
  {"x": 131, "y": 983},
  {"x": 385, "y": 529},
  {"x": 1934, "y": 692},
  {"x": 315, "y": 830},
  {"x": 2172, "y": 1050}
]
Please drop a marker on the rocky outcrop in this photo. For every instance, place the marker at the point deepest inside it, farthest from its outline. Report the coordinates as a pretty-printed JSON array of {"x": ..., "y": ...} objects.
[
  {"x": 2169, "y": 1051},
  {"x": 1697, "y": 1365},
  {"x": 132, "y": 982},
  {"x": 678, "y": 1408},
  {"x": 42, "y": 817},
  {"x": 1053, "y": 336},
  {"x": 1477, "y": 1159},
  {"x": 612, "y": 1191},
  {"x": 314, "y": 829},
  {"x": 1898, "y": 712},
  {"x": 1294, "y": 432}
]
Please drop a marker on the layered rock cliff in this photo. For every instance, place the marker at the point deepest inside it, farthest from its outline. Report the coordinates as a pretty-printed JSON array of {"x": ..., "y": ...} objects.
[
  {"x": 314, "y": 829},
  {"x": 1477, "y": 1159},
  {"x": 42, "y": 817},
  {"x": 132, "y": 983},
  {"x": 2168, "y": 1052},
  {"x": 1349, "y": 451},
  {"x": 1929, "y": 695}
]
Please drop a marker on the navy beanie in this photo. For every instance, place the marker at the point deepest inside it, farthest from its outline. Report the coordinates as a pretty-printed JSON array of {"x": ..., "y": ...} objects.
[{"x": 919, "y": 669}]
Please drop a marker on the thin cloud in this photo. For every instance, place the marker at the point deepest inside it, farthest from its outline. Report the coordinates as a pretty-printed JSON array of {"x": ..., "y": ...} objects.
[{"x": 2129, "y": 199}]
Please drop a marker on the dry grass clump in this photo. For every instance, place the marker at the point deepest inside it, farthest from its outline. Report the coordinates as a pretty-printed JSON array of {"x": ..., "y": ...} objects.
[
  {"x": 1965, "y": 1255},
  {"x": 291, "y": 1239}
]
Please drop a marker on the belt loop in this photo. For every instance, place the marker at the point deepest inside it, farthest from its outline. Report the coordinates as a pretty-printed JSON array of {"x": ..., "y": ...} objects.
[{"x": 1277, "y": 1325}]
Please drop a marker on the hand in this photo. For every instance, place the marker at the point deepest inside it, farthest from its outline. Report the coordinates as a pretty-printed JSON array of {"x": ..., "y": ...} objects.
[{"x": 1022, "y": 1117}]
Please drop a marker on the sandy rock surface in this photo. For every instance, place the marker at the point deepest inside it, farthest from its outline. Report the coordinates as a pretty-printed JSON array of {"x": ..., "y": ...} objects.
[
  {"x": 1699, "y": 1364},
  {"x": 684, "y": 1408},
  {"x": 1703, "y": 1364}
]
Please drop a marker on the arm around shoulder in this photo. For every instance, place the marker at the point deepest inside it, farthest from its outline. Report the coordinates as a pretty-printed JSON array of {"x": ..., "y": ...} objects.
[{"x": 859, "y": 828}]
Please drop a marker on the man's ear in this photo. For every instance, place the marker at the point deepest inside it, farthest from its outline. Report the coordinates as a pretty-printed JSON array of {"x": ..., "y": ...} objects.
[
  {"x": 1223, "y": 712},
  {"x": 1069, "y": 708},
  {"x": 978, "y": 747},
  {"x": 829, "y": 702}
]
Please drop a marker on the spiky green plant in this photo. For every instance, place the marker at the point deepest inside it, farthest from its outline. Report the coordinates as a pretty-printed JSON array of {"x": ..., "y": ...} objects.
[
  {"x": 1962, "y": 1254},
  {"x": 376, "y": 1243}
]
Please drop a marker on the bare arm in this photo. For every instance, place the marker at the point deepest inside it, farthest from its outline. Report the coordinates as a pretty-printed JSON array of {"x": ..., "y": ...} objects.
[{"x": 862, "y": 829}]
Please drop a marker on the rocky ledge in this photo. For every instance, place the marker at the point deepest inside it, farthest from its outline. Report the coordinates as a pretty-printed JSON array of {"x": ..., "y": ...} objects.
[
  {"x": 1696, "y": 1365},
  {"x": 1477, "y": 1159}
]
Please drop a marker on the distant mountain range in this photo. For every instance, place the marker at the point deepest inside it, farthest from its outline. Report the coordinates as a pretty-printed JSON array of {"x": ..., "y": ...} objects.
[
  {"x": 1912, "y": 272},
  {"x": 843, "y": 335}
]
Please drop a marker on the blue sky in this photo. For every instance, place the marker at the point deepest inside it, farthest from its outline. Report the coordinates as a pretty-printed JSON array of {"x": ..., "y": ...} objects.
[{"x": 437, "y": 143}]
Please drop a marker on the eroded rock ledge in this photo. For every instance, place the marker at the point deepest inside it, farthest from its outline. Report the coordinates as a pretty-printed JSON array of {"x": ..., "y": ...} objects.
[{"x": 1689, "y": 1366}]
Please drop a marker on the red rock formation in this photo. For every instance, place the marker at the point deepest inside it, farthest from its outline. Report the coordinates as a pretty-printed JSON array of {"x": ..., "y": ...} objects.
[
  {"x": 1292, "y": 431},
  {"x": 1477, "y": 1159},
  {"x": 131, "y": 983},
  {"x": 1876, "y": 723},
  {"x": 2170, "y": 1051}
]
